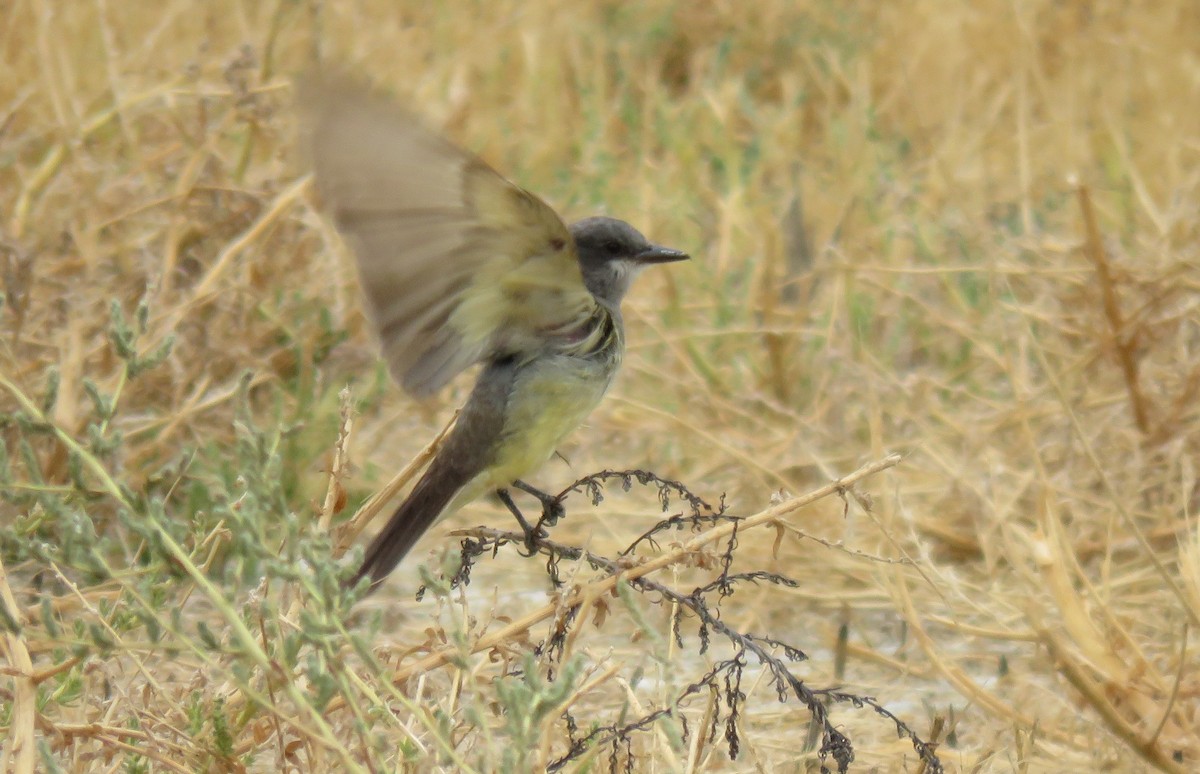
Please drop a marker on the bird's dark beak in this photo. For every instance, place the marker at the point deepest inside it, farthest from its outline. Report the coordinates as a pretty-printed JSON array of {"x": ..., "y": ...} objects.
[{"x": 656, "y": 254}]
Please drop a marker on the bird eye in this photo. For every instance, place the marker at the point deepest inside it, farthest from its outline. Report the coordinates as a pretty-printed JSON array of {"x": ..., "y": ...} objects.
[{"x": 613, "y": 247}]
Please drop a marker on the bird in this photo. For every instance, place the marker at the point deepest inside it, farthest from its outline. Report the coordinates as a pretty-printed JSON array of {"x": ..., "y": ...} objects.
[{"x": 459, "y": 266}]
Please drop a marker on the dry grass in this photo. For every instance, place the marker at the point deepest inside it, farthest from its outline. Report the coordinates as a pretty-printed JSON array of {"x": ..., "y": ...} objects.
[{"x": 967, "y": 233}]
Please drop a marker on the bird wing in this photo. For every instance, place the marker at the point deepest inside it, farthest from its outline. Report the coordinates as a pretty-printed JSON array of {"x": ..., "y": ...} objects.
[{"x": 457, "y": 263}]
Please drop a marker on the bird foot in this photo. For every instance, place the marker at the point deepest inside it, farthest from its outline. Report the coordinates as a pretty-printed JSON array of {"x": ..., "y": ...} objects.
[
  {"x": 533, "y": 534},
  {"x": 552, "y": 507}
]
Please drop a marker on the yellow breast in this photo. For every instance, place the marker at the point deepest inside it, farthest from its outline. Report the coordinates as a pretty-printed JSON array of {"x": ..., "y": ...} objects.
[{"x": 550, "y": 398}]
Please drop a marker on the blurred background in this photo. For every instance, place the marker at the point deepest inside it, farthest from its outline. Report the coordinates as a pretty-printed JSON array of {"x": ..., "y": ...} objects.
[{"x": 967, "y": 233}]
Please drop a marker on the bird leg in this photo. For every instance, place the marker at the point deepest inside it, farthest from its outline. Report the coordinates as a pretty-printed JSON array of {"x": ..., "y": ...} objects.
[
  {"x": 552, "y": 507},
  {"x": 531, "y": 533}
]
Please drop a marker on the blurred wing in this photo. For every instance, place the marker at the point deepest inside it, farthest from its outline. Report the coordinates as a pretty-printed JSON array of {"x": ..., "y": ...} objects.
[{"x": 457, "y": 264}]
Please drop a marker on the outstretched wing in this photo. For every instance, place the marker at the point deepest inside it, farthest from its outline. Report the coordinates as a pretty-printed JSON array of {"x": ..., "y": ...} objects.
[{"x": 457, "y": 263}]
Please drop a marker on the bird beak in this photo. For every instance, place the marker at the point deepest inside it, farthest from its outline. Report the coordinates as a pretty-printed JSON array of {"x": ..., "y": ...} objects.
[{"x": 656, "y": 254}]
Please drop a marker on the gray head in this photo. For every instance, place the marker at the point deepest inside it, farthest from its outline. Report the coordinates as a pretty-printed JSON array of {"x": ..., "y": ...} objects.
[{"x": 612, "y": 253}]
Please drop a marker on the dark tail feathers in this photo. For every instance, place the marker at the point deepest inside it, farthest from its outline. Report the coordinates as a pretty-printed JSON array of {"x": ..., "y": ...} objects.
[{"x": 416, "y": 514}]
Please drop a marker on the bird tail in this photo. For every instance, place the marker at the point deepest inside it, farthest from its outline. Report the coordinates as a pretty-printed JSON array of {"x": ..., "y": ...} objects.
[{"x": 428, "y": 499}]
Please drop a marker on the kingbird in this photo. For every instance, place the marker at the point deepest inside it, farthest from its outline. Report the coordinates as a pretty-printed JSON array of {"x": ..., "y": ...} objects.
[{"x": 460, "y": 266}]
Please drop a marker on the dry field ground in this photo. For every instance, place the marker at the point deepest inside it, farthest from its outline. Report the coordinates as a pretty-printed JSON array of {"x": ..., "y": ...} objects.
[{"x": 939, "y": 347}]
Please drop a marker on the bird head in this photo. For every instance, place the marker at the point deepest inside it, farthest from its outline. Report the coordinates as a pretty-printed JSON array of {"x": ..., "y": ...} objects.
[{"x": 612, "y": 252}]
